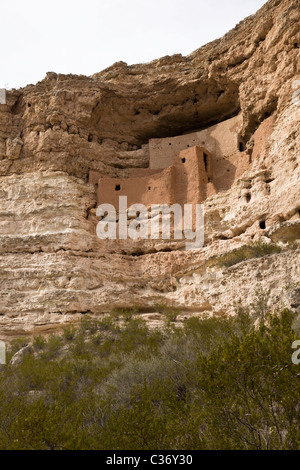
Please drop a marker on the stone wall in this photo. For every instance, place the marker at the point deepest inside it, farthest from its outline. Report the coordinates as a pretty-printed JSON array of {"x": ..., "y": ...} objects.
[
  {"x": 222, "y": 140},
  {"x": 148, "y": 189},
  {"x": 193, "y": 171},
  {"x": 185, "y": 181}
]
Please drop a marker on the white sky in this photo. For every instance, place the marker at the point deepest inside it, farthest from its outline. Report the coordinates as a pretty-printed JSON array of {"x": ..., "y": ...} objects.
[{"x": 84, "y": 37}]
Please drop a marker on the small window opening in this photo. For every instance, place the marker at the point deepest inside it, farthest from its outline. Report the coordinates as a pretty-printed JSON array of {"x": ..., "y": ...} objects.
[
  {"x": 241, "y": 146},
  {"x": 296, "y": 45},
  {"x": 170, "y": 143},
  {"x": 149, "y": 188},
  {"x": 266, "y": 115},
  {"x": 248, "y": 197},
  {"x": 183, "y": 160},
  {"x": 262, "y": 224},
  {"x": 29, "y": 105},
  {"x": 118, "y": 187}
]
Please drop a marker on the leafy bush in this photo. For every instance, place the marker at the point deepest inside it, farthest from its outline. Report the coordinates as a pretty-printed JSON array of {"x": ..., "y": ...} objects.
[
  {"x": 254, "y": 250},
  {"x": 170, "y": 313},
  {"x": 39, "y": 343},
  {"x": 215, "y": 383}
]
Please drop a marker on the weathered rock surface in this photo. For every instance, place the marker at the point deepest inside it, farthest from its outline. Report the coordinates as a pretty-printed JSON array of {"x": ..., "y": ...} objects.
[{"x": 53, "y": 268}]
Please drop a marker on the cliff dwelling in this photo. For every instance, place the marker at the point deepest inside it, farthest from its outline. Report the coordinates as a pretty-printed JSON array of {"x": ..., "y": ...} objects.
[{"x": 185, "y": 169}]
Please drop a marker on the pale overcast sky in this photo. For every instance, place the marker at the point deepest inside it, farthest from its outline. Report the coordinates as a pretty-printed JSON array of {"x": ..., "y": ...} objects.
[{"x": 84, "y": 37}]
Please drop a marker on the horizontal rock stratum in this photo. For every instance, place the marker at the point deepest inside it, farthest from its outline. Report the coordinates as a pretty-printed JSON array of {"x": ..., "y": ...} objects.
[{"x": 237, "y": 97}]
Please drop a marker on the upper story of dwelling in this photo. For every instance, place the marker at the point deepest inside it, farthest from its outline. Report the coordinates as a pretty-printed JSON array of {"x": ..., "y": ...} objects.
[{"x": 221, "y": 140}]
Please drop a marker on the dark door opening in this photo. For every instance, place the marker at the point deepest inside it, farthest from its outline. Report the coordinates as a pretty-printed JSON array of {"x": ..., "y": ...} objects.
[
  {"x": 241, "y": 146},
  {"x": 205, "y": 159},
  {"x": 262, "y": 224}
]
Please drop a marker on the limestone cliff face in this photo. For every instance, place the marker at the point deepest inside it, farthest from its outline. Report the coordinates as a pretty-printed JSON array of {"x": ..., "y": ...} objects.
[{"x": 53, "y": 268}]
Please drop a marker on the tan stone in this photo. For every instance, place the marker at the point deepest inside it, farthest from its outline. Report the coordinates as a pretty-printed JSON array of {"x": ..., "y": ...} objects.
[{"x": 13, "y": 148}]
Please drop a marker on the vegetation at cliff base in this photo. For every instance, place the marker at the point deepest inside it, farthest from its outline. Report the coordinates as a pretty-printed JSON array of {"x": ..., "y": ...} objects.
[{"x": 212, "y": 383}]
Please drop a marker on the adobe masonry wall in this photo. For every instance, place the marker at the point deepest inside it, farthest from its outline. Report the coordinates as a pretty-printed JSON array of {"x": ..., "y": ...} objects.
[
  {"x": 193, "y": 170},
  {"x": 221, "y": 140},
  {"x": 150, "y": 189},
  {"x": 183, "y": 182}
]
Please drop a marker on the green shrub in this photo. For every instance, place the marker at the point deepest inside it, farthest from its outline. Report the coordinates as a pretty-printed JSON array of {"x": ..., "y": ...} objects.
[
  {"x": 170, "y": 313},
  {"x": 39, "y": 343},
  {"x": 254, "y": 250},
  {"x": 69, "y": 332},
  {"x": 215, "y": 383}
]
